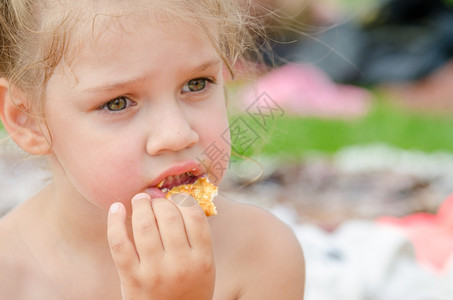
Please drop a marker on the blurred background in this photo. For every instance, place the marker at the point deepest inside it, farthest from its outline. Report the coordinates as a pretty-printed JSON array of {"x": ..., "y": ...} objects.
[
  {"x": 356, "y": 108},
  {"x": 348, "y": 138}
]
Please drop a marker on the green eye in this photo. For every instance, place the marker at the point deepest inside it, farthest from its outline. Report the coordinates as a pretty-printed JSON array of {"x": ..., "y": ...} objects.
[
  {"x": 116, "y": 104},
  {"x": 195, "y": 85}
]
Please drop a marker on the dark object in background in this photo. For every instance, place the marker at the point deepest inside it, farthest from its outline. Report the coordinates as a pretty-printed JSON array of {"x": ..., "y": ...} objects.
[{"x": 405, "y": 40}]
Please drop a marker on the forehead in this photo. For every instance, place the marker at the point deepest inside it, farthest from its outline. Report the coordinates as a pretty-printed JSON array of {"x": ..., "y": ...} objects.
[
  {"x": 127, "y": 36},
  {"x": 88, "y": 21},
  {"x": 93, "y": 14},
  {"x": 117, "y": 48}
]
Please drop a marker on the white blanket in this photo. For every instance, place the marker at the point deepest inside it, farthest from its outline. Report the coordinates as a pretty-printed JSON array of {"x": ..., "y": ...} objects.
[{"x": 362, "y": 260}]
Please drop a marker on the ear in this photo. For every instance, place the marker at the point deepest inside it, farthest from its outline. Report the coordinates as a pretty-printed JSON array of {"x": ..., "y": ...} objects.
[{"x": 24, "y": 129}]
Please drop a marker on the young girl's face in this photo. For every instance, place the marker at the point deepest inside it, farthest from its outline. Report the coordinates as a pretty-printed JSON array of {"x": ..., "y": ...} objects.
[{"x": 140, "y": 102}]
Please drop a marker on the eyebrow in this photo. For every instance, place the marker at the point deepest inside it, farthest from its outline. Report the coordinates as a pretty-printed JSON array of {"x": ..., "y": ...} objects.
[{"x": 122, "y": 84}]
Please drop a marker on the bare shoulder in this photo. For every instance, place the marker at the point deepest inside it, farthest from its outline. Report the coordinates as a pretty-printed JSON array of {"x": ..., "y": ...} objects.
[
  {"x": 8, "y": 238},
  {"x": 17, "y": 268},
  {"x": 12, "y": 268},
  {"x": 271, "y": 257}
]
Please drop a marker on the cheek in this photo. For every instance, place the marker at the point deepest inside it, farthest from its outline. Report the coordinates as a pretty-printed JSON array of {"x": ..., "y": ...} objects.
[
  {"x": 108, "y": 178},
  {"x": 96, "y": 169},
  {"x": 105, "y": 178}
]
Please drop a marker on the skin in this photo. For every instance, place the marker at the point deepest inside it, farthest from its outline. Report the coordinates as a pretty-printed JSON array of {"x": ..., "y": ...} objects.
[{"x": 92, "y": 233}]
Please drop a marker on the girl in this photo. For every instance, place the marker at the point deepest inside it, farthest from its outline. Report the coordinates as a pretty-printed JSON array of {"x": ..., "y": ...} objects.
[{"x": 118, "y": 96}]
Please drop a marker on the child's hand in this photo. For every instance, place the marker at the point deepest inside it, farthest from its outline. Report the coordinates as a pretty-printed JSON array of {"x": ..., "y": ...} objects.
[{"x": 172, "y": 257}]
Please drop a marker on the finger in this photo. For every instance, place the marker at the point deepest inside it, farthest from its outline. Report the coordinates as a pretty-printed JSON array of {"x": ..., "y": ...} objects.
[
  {"x": 145, "y": 230},
  {"x": 171, "y": 225},
  {"x": 196, "y": 223},
  {"x": 121, "y": 247}
]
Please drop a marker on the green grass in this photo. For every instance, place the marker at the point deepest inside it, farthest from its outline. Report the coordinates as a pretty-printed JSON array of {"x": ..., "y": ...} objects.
[{"x": 384, "y": 124}]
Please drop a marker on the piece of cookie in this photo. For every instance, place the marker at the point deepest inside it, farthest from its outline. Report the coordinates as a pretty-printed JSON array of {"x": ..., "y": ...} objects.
[{"x": 202, "y": 191}]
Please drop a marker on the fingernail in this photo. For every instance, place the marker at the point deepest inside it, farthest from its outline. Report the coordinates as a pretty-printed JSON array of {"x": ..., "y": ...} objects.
[
  {"x": 183, "y": 199},
  {"x": 140, "y": 196},
  {"x": 115, "y": 207}
]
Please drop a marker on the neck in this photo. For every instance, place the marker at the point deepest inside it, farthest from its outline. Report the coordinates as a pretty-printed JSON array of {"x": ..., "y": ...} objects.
[
  {"x": 66, "y": 236},
  {"x": 76, "y": 223}
]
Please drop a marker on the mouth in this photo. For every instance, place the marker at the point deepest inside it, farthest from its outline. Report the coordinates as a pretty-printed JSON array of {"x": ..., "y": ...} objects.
[{"x": 176, "y": 180}]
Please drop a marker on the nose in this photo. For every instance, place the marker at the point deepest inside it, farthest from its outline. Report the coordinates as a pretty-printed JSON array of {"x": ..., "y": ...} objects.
[{"x": 172, "y": 133}]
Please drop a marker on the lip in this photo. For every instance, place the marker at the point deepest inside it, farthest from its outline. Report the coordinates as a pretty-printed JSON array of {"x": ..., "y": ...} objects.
[{"x": 196, "y": 168}]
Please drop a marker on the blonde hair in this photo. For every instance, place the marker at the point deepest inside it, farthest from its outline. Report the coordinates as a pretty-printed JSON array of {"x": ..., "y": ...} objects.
[{"x": 35, "y": 36}]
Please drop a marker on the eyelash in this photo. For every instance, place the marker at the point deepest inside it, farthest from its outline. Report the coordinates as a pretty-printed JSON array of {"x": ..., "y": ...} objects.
[
  {"x": 207, "y": 83},
  {"x": 105, "y": 106}
]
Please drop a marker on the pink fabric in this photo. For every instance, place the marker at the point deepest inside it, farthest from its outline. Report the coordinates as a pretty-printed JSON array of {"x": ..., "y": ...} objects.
[
  {"x": 306, "y": 90},
  {"x": 432, "y": 235}
]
